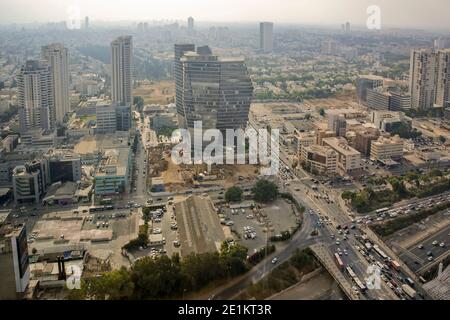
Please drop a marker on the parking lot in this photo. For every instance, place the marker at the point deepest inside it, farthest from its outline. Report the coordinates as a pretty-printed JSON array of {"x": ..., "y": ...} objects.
[{"x": 255, "y": 227}]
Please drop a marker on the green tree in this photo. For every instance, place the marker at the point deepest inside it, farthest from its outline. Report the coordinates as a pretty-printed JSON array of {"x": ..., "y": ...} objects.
[
  {"x": 265, "y": 191},
  {"x": 138, "y": 101},
  {"x": 233, "y": 194},
  {"x": 115, "y": 285},
  {"x": 322, "y": 112}
]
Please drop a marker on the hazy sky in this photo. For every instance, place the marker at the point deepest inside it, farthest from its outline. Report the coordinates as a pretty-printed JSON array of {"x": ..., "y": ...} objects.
[{"x": 403, "y": 13}]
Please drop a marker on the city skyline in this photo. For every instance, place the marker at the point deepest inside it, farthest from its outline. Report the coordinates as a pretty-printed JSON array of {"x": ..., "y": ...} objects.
[{"x": 322, "y": 12}]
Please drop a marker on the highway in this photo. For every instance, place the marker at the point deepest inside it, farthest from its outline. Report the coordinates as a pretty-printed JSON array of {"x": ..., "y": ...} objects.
[{"x": 418, "y": 258}]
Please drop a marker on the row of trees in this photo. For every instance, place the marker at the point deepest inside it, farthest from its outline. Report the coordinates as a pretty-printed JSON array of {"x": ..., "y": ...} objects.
[
  {"x": 368, "y": 200},
  {"x": 164, "y": 277},
  {"x": 263, "y": 191}
]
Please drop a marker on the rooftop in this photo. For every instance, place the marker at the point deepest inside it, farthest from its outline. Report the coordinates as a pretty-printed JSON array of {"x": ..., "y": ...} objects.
[{"x": 340, "y": 146}]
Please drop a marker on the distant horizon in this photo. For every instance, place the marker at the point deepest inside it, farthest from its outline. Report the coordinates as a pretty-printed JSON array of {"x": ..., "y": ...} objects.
[
  {"x": 204, "y": 23},
  {"x": 414, "y": 13}
]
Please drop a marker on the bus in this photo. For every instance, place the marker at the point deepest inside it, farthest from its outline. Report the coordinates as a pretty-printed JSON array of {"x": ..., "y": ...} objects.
[
  {"x": 382, "y": 210},
  {"x": 360, "y": 285},
  {"x": 350, "y": 272},
  {"x": 338, "y": 261},
  {"x": 380, "y": 252},
  {"x": 410, "y": 292},
  {"x": 106, "y": 201}
]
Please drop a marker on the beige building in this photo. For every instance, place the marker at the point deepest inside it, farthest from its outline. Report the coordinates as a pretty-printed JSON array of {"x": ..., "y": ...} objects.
[
  {"x": 57, "y": 57},
  {"x": 422, "y": 78},
  {"x": 319, "y": 158},
  {"x": 305, "y": 139},
  {"x": 386, "y": 148},
  {"x": 349, "y": 159},
  {"x": 122, "y": 82},
  {"x": 443, "y": 78}
]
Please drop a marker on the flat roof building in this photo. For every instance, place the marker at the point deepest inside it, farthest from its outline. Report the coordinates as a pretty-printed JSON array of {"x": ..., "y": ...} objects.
[
  {"x": 349, "y": 159},
  {"x": 320, "y": 159},
  {"x": 386, "y": 148}
]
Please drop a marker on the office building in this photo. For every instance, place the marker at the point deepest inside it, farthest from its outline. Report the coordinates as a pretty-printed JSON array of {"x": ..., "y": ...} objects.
[
  {"x": 319, "y": 159},
  {"x": 422, "y": 79},
  {"x": 56, "y": 56},
  {"x": 113, "y": 118},
  {"x": 363, "y": 140},
  {"x": 384, "y": 149},
  {"x": 305, "y": 139},
  {"x": 111, "y": 176},
  {"x": 367, "y": 82},
  {"x": 216, "y": 91},
  {"x": 180, "y": 50},
  {"x": 14, "y": 264},
  {"x": 29, "y": 182},
  {"x": 35, "y": 96},
  {"x": 337, "y": 123},
  {"x": 122, "y": 65},
  {"x": 443, "y": 78},
  {"x": 266, "y": 36},
  {"x": 399, "y": 101},
  {"x": 348, "y": 159},
  {"x": 378, "y": 99},
  {"x": 190, "y": 24},
  {"x": 63, "y": 166},
  {"x": 379, "y": 118}
]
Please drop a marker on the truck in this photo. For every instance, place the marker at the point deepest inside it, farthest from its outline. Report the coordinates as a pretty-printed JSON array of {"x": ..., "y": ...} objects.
[
  {"x": 410, "y": 292},
  {"x": 395, "y": 265}
]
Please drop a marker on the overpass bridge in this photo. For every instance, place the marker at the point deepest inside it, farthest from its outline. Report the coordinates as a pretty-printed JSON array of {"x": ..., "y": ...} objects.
[{"x": 323, "y": 255}]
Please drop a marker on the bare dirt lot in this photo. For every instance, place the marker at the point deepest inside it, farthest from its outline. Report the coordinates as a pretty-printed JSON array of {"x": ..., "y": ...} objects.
[{"x": 156, "y": 92}]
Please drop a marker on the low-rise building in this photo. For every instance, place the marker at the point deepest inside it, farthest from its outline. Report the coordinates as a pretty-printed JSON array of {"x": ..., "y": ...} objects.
[
  {"x": 112, "y": 174},
  {"x": 349, "y": 159},
  {"x": 29, "y": 182},
  {"x": 386, "y": 149},
  {"x": 363, "y": 140},
  {"x": 304, "y": 139},
  {"x": 319, "y": 158}
]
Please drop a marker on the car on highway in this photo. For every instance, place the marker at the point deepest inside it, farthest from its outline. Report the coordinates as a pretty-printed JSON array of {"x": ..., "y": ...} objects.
[
  {"x": 435, "y": 243},
  {"x": 442, "y": 244},
  {"x": 420, "y": 246},
  {"x": 274, "y": 260}
]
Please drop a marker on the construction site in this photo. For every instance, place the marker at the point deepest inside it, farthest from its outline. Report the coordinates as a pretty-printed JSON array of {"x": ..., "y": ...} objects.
[{"x": 182, "y": 177}]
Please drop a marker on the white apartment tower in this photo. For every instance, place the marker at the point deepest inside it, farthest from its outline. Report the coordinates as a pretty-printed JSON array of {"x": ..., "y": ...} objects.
[
  {"x": 56, "y": 56},
  {"x": 422, "y": 82},
  {"x": 266, "y": 36},
  {"x": 35, "y": 96},
  {"x": 121, "y": 80},
  {"x": 443, "y": 78}
]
